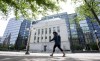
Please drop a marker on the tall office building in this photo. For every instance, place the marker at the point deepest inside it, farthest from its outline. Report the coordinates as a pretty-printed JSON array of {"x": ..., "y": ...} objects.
[
  {"x": 23, "y": 34},
  {"x": 12, "y": 30},
  {"x": 91, "y": 30},
  {"x": 75, "y": 32}
]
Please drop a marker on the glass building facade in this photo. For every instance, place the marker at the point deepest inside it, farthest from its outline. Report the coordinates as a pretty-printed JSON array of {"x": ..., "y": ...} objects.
[
  {"x": 84, "y": 34},
  {"x": 23, "y": 34},
  {"x": 76, "y": 36},
  {"x": 12, "y": 28},
  {"x": 91, "y": 32},
  {"x": 94, "y": 28}
]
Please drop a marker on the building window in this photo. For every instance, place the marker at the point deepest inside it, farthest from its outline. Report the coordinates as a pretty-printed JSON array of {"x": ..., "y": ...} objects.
[
  {"x": 42, "y": 31},
  {"x": 38, "y": 40},
  {"x": 58, "y": 28},
  {"x": 45, "y": 30},
  {"x": 54, "y": 29},
  {"x": 46, "y": 37},
  {"x": 38, "y": 31},
  {"x": 49, "y": 30},
  {"x": 35, "y": 33},
  {"x": 49, "y": 38},
  {"x": 42, "y": 38},
  {"x": 34, "y": 37}
]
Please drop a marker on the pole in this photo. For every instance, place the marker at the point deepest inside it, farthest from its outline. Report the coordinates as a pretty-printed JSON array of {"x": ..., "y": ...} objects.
[
  {"x": 28, "y": 42},
  {"x": 97, "y": 41}
]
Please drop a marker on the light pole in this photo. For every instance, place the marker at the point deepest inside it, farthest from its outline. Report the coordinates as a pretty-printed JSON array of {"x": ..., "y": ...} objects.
[
  {"x": 97, "y": 41},
  {"x": 28, "y": 42},
  {"x": 29, "y": 37}
]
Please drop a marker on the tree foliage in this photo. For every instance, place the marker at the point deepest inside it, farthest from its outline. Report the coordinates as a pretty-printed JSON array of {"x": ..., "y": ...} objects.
[
  {"x": 28, "y": 7},
  {"x": 88, "y": 8}
]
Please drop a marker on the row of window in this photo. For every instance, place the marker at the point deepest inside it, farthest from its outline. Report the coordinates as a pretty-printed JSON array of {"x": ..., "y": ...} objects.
[
  {"x": 38, "y": 38},
  {"x": 45, "y": 30}
]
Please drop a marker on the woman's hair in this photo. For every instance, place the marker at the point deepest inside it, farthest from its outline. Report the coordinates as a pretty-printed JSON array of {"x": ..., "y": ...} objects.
[{"x": 55, "y": 33}]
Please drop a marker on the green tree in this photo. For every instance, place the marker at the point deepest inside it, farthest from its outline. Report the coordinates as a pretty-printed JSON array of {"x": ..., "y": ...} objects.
[
  {"x": 28, "y": 8},
  {"x": 88, "y": 8}
]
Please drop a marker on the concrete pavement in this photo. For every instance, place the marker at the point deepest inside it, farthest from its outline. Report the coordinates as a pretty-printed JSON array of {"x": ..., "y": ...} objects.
[{"x": 20, "y": 56}]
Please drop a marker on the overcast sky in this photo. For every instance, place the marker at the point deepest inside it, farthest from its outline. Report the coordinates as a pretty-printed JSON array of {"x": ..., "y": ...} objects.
[{"x": 66, "y": 7}]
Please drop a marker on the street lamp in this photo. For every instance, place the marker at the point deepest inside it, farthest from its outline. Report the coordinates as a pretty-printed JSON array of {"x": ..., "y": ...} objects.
[
  {"x": 97, "y": 41},
  {"x": 29, "y": 37},
  {"x": 28, "y": 42}
]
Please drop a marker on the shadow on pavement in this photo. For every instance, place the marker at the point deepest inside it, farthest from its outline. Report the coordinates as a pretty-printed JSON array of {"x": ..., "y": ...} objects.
[
  {"x": 33, "y": 58},
  {"x": 39, "y": 58}
]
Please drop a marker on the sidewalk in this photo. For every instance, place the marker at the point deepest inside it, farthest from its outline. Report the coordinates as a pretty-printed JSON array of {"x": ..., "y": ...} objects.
[
  {"x": 45, "y": 56},
  {"x": 8, "y": 53}
]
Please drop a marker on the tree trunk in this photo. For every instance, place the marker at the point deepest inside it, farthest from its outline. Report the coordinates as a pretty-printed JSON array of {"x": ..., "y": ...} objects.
[{"x": 93, "y": 12}]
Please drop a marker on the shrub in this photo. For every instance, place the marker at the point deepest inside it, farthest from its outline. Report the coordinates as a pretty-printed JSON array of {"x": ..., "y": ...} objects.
[
  {"x": 93, "y": 46},
  {"x": 77, "y": 47}
]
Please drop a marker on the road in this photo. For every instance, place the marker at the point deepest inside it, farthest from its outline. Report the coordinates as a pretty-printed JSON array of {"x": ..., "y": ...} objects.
[{"x": 20, "y": 56}]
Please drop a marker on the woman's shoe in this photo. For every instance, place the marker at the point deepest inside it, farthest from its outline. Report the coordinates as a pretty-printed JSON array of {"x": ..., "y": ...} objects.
[
  {"x": 63, "y": 55},
  {"x": 51, "y": 55}
]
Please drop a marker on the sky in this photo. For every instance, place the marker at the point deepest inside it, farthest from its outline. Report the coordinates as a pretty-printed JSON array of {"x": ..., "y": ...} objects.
[{"x": 66, "y": 7}]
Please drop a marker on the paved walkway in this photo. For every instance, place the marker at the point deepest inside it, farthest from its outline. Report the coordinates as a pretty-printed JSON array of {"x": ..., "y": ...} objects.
[{"x": 20, "y": 56}]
